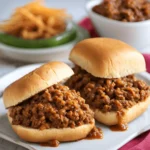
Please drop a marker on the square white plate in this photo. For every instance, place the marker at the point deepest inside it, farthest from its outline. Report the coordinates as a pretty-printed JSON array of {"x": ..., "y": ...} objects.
[{"x": 111, "y": 140}]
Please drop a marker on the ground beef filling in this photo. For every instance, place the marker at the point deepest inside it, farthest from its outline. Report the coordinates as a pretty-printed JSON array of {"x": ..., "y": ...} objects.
[
  {"x": 55, "y": 107},
  {"x": 108, "y": 94},
  {"x": 124, "y": 10}
]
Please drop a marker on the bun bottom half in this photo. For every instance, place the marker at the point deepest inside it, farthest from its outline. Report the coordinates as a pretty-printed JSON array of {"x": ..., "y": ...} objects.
[
  {"x": 111, "y": 118},
  {"x": 63, "y": 134}
]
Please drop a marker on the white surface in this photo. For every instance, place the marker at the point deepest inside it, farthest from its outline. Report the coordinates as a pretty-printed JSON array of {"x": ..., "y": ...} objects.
[
  {"x": 6, "y": 145},
  {"x": 136, "y": 34},
  {"x": 116, "y": 139}
]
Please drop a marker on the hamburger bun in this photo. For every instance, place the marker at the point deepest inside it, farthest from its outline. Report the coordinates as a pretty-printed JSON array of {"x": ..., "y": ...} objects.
[
  {"x": 107, "y": 58},
  {"x": 111, "y": 118},
  {"x": 62, "y": 134},
  {"x": 35, "y": 82}
]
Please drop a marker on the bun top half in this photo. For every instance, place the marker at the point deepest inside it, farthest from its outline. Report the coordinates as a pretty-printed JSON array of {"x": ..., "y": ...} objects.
[
  {"x": 107, "y": 58},
  {"x": 35, "y": 82}
]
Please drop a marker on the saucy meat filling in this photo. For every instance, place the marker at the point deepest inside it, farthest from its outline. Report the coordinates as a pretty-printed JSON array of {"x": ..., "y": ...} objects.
[
  {"x": 124, "y": 10},
  {"x": 108, "y": 94},
  {"x": 55, "y": 107},
  {"x": 95, "y": 133}
]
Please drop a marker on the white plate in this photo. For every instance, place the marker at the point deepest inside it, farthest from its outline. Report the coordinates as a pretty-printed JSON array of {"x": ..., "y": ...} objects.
[
  {"x": 42, "y": 54},
  {"x": 111, "y": 140}
]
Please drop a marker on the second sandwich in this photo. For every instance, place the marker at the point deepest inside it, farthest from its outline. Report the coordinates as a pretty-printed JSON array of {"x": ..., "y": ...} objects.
[{"x": 104, "y": 75}]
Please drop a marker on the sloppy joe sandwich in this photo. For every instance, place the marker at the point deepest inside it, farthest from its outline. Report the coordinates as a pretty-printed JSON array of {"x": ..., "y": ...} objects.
[
  {"x": 41, "y": 109},
  {"x": 104, "y": 76}
]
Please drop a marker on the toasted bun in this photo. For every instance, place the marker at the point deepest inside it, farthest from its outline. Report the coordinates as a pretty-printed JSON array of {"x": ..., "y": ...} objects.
[
  {"x": 107, "y": 58},
  {"x": 110, "y": 118},
  {"x": 64, "y": 134},
  {"x": 36, "y": 81}
]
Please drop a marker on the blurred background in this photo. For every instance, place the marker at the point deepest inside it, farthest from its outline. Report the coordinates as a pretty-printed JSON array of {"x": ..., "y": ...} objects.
[
  {"x": 74, "y": 7},
  {"x": 84, "y": 23}
]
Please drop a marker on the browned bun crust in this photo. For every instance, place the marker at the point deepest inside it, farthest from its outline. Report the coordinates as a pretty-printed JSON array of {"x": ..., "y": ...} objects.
[
  {"x": 110, "y": 118},
  {"x": 107, "y": 58},
  {"x": 63, "y": 134},
  {"x": 35, "y": 81}
]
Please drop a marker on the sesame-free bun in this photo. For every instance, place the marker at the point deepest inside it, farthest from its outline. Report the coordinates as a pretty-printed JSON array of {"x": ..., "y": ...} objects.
[
  {"x": 35, "y": 82},
  {"x": 110, "y": 118},
  {"x": 107, "y": 58},
  {"x": 62, "y": 134}
]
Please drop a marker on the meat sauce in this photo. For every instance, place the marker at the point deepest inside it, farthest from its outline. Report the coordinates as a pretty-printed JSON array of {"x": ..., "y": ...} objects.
[
  {"x": 124, "y": 10},
  {"x": 55, "y": 107},
  {"x": 96, "y": 133},
  {"x": 109, "y": 94},
  {"x": 52, "y": 143},
  {"x": 122, "y": 125}
]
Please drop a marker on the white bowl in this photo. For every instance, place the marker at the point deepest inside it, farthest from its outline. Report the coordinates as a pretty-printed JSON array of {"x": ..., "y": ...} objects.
[
  {"x": 33, "y": 56},
  {"x": 136, "y": 34},
  {"x": 42, "y": 54}
]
